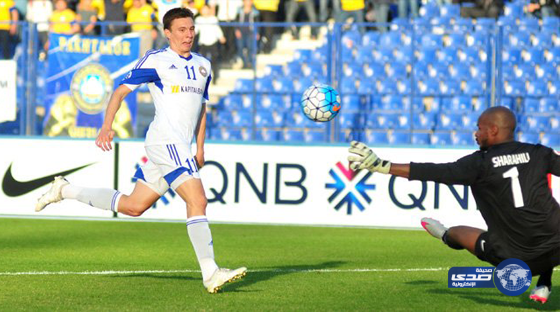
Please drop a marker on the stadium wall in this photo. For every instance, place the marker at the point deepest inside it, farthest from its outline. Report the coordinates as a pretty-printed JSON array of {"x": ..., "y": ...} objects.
[{"x": 308, "y": 185}]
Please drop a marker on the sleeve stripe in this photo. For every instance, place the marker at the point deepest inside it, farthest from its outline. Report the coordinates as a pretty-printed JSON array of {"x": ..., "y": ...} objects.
[{"x": 145, "y": 58}]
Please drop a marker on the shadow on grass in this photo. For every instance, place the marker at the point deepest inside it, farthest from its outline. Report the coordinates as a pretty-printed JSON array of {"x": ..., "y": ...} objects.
[
  {"x": 254, "y": 276},
  {"x": 496, "y": 298}
]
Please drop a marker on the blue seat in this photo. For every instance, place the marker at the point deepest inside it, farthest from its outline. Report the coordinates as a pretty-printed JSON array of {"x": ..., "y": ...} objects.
[
  {"x": 449, "y": 121},
  {"x": 392, "y": 103},
  {"x": 404, "y": 86},
  {"x": 529, "y": 24},
  {"x": 450, "y": 87},
  {"x": 373, "y": 70},
  {"x": 508, "y": 23},
  {"x": 551, "y": 139},
  {"x": 291, "y": 135},
  {"x": 385, "y": 120},
  {"x": 232, "y": 101},
  {"x": 531, "y": 105},
  {"x": 365, "y": 55},
  {"x": 554, "y": 88},
  {"x": 427, "y": 55},
  {"x": 396, "y": 70},
  {"x": 426, "y": 104},
  {"x": 537, "y": 88},
  {"x": 429, "y": 10},
  {"x": 485, "y": 24},
  {"x": 428, "y": 87},
  {"x": 274, "y": 70},
  {"x": 475, "y": 87},
  {"x": 511, "y": 55},
  {"x": 386, "y": 86},
  {"x": 551, "y": 22},
  {"x": 528, "y": 137},
  {"x": 303, "y": 55},
  {"x": 241, "y": 119},
  {"x": 283, "y": 84},
  {"x": 376, "y": 137},
  {"x": 447, "y": 55},
  {"x": 352, "y": 103},
  {"x": 390, "y": 39},
  {"x": 302, "y": 83},
  {"x": 267, "y": 135},
  {"x": 264, "y": 118},
  {"x": 400, "y": 137},
  {"x": 469, "y": 55},
  {"x": 457, "y": 104},
  {"x": 450, "y": 10},
  {"x": 507, "y": 101},
  {"x": 348, "y": 135},
  {"x": 523, "y": 72},
  {"x": 347, "y": 120},
  {"x": 432, "y": 40},
  {"x": 532, "y": 55},
  {"x": 517, "y": 39},
  {"x": 534, "y": 123},
  {"x": 554, "y": 124},
  {"x": 462, "y": 25},
  {"x": 313, "y": 69},
  {"x": 545, "y": 71},
  {"x": 348, "y": 85},
  {"x": 264, "y": 84},
  {"x": 234, "y": 134},
  {"x": 352, "y": 38},
  {"x": 513, "y": 9},
  {"x": 420, "y": 70},
  {"x": 243, "y": 85},
  {"x": 479, "y": 104},
  {"x": 463, "y": 138},
  {"x": 420, "y": 138},
  {"x": 371, "y": 39},
  {"x": 477, "y": 39},
  {"x": 543, "y": 39},
  {"x": 294, "y": 69},
  {"x": 404, "y": 55},
  {"x": 548, "y": 105},
  {"x": 314, "y": 136},
  {"x": 367, "y": 86},
  {"x": 514, "y": 88},
  {"x": 459, "y": 71},
  {"x": 441, "y": 138},
  {"x": 352, "y": 70},
  {"x": 383, "y": 54},
  {"x": 470, "y": 121},
  {"x": 270, "y": 102},
  {"x": 424, "y": 121}
]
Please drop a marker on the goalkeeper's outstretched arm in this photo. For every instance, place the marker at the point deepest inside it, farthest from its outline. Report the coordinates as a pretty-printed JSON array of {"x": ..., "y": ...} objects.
[{"x": 362, "y": 157}]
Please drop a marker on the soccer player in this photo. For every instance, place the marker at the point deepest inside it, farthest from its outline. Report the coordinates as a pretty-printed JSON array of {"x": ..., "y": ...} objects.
[
  {"x": 178, "y": 80},
  {"x": 509, "y": 183}
]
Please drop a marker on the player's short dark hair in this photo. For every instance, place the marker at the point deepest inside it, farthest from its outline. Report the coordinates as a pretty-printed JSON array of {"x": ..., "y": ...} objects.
[{"x": 174, "y": 14}]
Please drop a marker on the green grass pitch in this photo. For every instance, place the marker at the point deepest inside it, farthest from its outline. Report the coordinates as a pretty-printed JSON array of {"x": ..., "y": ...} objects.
[{"x": 291, "y": 268}]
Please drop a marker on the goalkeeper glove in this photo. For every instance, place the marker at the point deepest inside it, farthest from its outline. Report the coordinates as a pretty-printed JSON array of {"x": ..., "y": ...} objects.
[{"x": 362, "y": 157}]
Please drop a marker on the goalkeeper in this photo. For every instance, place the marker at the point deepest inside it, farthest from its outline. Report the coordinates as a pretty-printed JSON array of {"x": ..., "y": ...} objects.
[{"x": 509, "y": 183}]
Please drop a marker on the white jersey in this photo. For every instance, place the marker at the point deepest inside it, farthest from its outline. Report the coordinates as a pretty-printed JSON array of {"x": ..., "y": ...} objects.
[{"x": 179, "y": 86}]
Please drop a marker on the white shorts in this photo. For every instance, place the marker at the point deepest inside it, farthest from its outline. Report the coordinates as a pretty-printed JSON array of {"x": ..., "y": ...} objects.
[{"x": 167, "y": 165}]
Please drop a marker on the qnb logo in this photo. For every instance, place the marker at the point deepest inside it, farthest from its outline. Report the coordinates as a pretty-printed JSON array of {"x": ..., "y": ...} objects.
[
  {"x": 140, "y": 175},
  {"x": 351, "y": 191}
]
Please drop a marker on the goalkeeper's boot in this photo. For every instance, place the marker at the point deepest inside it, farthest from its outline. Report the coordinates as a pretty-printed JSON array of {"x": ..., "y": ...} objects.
[
  {"x": 540, "y": 294},
  {"x": 54, "y": 195},
  {"x": 223, "y": 276},
  {"x": 434, "y": 227}
]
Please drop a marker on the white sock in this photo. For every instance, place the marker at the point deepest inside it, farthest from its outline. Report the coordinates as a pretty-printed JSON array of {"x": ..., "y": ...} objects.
[
  {"x": 106, "y": 199},
  {"x": 201, "y": 239}
]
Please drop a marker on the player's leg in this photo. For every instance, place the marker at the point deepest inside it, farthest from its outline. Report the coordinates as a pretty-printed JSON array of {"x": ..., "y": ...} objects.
[
  {"x": 544, "y": 287},
  {"x": 142, "y": 198},
  {"x": 192, "y": 192},
  {"x": 457, "y": 237}
]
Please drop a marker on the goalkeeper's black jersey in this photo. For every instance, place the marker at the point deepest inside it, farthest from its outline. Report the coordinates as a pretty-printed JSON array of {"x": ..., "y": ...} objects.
[{"x": 509, "y": 183}]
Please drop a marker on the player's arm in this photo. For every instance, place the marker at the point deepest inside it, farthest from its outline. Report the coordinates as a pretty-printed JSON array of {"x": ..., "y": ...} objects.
[
  {"x": 200, "y": 136},
  {"x": 464, "y": 171},
  {"x": 106, "y": 132}
]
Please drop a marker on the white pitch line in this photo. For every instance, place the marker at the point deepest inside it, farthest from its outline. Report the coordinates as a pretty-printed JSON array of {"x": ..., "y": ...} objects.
[{"x": 198, "y": 271}]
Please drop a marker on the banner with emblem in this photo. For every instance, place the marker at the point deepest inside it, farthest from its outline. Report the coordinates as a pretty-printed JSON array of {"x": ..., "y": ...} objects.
[{"x": 82, "y": 73}]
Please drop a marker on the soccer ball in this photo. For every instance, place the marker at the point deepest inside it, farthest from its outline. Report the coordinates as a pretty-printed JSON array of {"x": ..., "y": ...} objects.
[{"x": 320, "y": 102}]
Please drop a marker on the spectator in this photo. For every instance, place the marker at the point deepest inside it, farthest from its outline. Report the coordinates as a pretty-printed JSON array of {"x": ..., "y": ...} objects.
[
  {"x": 483, "y": 8},
  {"x": 324, "y": 12},
  {"x": 226, "y": 13},
  {"x": 9, "y": 17},
  {"x": 210, "y": 35},
  {"x": 543, "y": 8},
  {"x": 245, "y": 34},
  {"x": 112, "y": 11},
  {"x": 162, "y": 7},
  {"x": 191, "y": 5},
  {"x": 380, "y": 13},
  {"x": 354, "y": 9},
  {"x": 140, "y": 16},
  {"x": 39, "y": 12},
  {"x": 268, "y": 10},
  {"x": 63, "y": 20},
  {"x": 86, "y": 17},
  {"x": 405, "y": 5},
  {"x": 292, "y": 9}
]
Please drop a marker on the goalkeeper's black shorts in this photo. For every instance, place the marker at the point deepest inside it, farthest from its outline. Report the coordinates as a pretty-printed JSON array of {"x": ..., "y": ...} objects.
[{"x": 484, "y": 251}]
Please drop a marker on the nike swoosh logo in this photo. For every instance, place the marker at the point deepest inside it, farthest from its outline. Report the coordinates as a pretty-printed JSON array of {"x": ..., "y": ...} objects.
[
  {"x": 336, "y": 108},
  {"x": 13, "y": 187}
]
